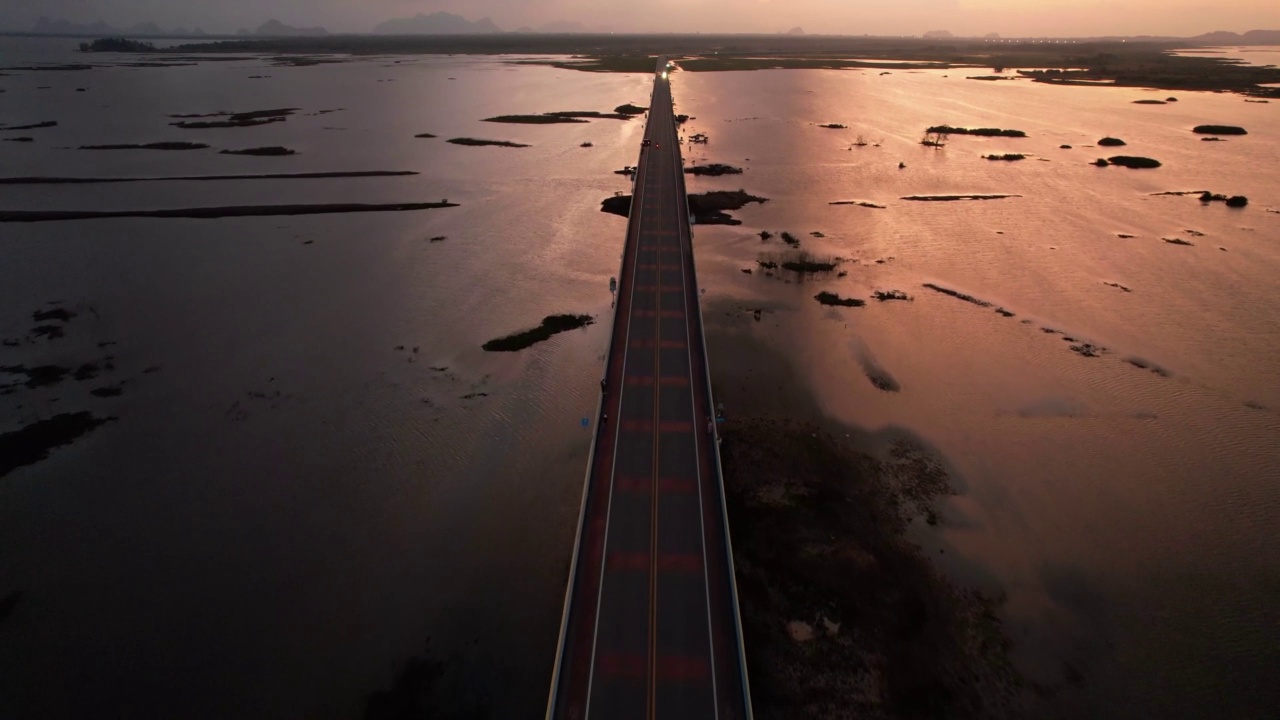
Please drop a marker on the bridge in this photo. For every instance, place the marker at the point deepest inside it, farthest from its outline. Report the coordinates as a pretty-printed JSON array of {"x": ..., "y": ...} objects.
[{"x": 650, "y": 626}]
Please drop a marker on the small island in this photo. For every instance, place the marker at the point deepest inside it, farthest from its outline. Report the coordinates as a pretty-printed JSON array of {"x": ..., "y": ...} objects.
[
  {"x": 1133, "y": 162},
  {"x": 473, "y": 142},
  {"x": 1219, "y": 130}
]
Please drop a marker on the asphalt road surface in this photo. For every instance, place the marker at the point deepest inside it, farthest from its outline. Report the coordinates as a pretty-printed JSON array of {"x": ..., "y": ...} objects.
[{"x": 650, "y": 624}]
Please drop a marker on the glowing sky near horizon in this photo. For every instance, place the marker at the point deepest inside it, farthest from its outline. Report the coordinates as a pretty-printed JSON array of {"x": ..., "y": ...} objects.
[{"x": 856, "y": 17}]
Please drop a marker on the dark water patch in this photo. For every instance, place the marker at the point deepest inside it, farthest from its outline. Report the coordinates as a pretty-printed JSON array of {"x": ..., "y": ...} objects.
[
  {"x": 1133, "y": 162},
  {"x": 551, "y": 325},
  {"x": 438, "y": 238},
  {"x": 194, "y": 116},
  {"x": 1005, "y": 313},
  {"x": 1118, "y": 286},
  {"x": 1219, "y": 130},
  {"x": 425, "y": 136},
  {"x": 879, "y": 377},
  {"x": 1010, "y": 157},
  {"x": 1194, "y": 233},
  {"x": 473, "y": 142},
  {"x": 951, "y": 198},
  {"x": 185, "y": 178},
  {"x": 37, "y": 376},
  {"x": 59, "y": 314},
  {"x": 991, "y": 77},
  {"x": 834, "y": 126},
  {"x": 8, "y": 603},
  {"x": 426, "y": 687},
  {"x": 1111, "y": 142},
  {"x": 148, "y": 146},
  {"x": 830, "y": 298},
  {"x": 33, "y": 126},
  {"x": 209, "y": 213},
  {"x": 20, "y": 139},
  {"x": 958, "y": 295},
  {"x": 789, "y": 239},
  {"x": 714, "y": 169},
  {"x": 1212, "y": 139},
  {"x": 34, "y": 442},
  {"x": 107, "y": 391},
  {"x": 269, "y": 151},
  {"x": 982, "y": 132},
  {"x": 53, "y": 332},
  {"x": 859, "y": 203}
]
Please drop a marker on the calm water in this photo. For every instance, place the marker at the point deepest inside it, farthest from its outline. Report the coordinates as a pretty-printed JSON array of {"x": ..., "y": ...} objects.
[
  {"x": 291, "y": 506},
  {"x": 1128, "y": 518}
]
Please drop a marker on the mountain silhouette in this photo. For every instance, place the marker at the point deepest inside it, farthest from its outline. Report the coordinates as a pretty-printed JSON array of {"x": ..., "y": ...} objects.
[{"x": 438, "y": 23}]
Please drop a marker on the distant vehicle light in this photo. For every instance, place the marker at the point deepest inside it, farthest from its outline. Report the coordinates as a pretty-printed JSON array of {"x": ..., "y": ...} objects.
[{"x": 664, "y": 74}]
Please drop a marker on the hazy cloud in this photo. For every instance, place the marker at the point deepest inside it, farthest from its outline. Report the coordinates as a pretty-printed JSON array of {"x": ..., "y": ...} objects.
[{"x": 1008, "y": 17}]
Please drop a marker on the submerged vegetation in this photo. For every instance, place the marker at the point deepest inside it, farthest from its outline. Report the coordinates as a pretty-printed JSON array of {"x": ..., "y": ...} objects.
[
  {"x": 473, "y": 142},
  {"x": 271, "y": 151},
  {"x": 830, "y": 298},
  {"x": 714, "y": 169},
  {"x": 209, "y": 213},
  {"x": 710, "y": 208},
  {"x": 148, "y": 146},
  {"x": 1235, "y": 201},
  {"x": 551, "y": 325},
  {"x": 982, "y": 132},
  {"x": 1006, "y": 156}
]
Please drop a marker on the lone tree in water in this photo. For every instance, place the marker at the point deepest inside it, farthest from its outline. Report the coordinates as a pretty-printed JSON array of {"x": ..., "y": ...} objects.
[{"x": 935, "y": 138}]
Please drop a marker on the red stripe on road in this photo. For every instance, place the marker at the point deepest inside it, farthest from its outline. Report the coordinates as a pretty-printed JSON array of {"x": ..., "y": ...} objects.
[
  {"x": 680, "y": 562},
  {"x": 622, "y": 665},
  {"x": 684, "y": 668},
  {"x": 677, "y": 485},
  {"x": 620, "y": 561}
]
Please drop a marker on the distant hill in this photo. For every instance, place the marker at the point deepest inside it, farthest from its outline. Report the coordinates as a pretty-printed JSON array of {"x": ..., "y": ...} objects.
[
  {"x": 1253, "y": 37},
  {"x": 797, "y": 30},
  {"x": 936, "y": 34},
  {"x": 275, "y": 28},
  {"x": 439, "y": 23}
]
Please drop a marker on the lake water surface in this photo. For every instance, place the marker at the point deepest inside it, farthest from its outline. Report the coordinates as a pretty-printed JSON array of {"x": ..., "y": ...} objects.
[{"x": 316, "y": 473}]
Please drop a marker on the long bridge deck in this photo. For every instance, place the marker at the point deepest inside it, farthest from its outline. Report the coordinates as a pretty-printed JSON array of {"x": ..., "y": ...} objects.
[{"x": 651, "y": 627}]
